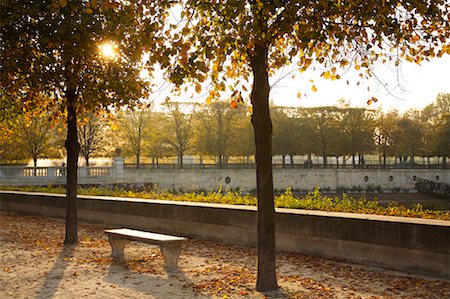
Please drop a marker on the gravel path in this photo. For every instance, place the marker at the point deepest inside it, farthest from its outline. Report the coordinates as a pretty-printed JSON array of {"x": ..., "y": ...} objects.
[{"x": 35, "y": 264}]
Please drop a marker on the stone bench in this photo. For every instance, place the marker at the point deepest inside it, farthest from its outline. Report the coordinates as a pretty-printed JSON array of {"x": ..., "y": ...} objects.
[{"x": 170, "y": 246}]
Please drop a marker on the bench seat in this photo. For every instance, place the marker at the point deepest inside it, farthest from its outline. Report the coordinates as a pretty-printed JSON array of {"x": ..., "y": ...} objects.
[{"x": 170, "y": 246}]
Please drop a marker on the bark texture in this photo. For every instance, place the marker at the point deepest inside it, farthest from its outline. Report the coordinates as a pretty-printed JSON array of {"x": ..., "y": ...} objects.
[
  {"x": 73, "y": 149},
  {"x": 266, "y": 279}
]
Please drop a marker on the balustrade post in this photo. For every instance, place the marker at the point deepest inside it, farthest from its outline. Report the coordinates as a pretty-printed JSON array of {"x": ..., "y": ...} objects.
[
  {"x": 51, "y": 175},
  {"x": 83, "y": 172},
  {"x": 118, "y": 167}
]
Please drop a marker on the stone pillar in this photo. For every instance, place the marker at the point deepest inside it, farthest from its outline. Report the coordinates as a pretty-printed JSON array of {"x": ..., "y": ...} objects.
[
  {"x": 118, "y": 167},
  {"x": 51, "y": 175},
  {"x": 82, "y": 172}
]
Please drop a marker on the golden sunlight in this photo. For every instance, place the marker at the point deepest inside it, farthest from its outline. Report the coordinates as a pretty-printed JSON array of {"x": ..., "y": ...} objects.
[{"x": 108, "y": 50}]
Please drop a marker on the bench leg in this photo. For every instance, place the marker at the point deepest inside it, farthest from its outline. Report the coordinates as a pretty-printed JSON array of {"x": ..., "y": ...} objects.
[
  {"x": 170, "y": 254},
  {"x": 117, "y": 246}
]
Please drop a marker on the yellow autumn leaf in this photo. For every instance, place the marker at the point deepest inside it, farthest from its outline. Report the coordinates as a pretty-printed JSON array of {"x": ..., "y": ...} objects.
[
  {"x": 314, "y": 88},
  {"x": 89, "y": 11},
  {"x": 63, "y": 3},
  {"x": 326, "y": 74},
  {"x": 198, "y": 88},
  {"x": 299, "y": 95},
  {"x": 357, "y": 67}
]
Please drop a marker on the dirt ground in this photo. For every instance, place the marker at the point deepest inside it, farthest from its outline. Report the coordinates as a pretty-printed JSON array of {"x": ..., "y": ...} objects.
[{"x": 35, "y": 264}]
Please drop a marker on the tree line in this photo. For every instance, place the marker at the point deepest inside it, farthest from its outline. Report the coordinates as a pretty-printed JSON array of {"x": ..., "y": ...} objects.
[{"x": 218, "y": 132}]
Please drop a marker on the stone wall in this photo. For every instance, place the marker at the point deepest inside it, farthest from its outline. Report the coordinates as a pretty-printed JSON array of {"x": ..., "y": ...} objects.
[
  {"x": 300, "y": 179},
  {"x": 419, "y": 246}
]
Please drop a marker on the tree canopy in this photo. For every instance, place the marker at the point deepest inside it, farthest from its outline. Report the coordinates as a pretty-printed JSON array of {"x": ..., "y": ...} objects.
[
  {"x": 52, "y": 47},
  {"x": 224, "y": 42}
]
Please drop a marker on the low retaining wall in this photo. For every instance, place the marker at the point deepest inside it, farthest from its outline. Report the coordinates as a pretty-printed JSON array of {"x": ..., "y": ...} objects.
[
  {"x": 418, "y": 246},
  {"x": 296, "y": 178}
]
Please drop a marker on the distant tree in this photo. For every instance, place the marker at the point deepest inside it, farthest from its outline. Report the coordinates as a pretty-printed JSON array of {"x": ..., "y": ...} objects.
[
  {"x": 324, "y": 124},
  {"x": 34, "y": 135},
  {"x": 408, "y": 136},
  {"x": 244, "y": 141},
  {"x": 386, "y": 125},
  {"x": 178, "y": 129},
  {"x": 443, "y": 143},
  {"x": 357, "y": 126},
  {"x": 442, "y": 108},
  {"x": 156, "y": 137},
  {"x": 434, "y": 118},
  {"x": 217, "y": 129},
  {"x": 133, "y": 128},
  {"x": 91, "y": 135},
  {"x": 286, "y": 134},
  {"x": 442, "y": 104}
]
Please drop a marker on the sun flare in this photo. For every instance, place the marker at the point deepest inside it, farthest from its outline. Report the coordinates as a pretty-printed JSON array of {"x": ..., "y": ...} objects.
[{"x": 108, "y": 50}]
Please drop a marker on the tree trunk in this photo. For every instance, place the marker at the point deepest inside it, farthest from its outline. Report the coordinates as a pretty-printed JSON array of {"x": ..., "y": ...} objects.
[
  {"x": 86, "y": 158},
  {"x": 180, "y": 161},
  {"x": 266, "y": 278},
  {"x": 292, "y": 160},
  {"x": 73, "y": 149},
  {"x": 35, "y": 166},
  {"x": 138, "y": 160}
]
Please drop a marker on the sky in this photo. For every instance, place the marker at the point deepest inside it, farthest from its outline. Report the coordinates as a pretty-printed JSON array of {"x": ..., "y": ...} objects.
[
  {"x": 406, "y": 87},
  {"x": 410, "y": 86}
]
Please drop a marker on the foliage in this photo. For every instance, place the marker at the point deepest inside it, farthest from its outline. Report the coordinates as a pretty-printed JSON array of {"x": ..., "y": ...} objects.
[
  {"x": 52, "y": 48},
  {"x": 314, "y": 200},
  {"x": 133, "y": 131},
  {"x": 217, "y": 127},
  {"x": 178, "y": 128},
  {"x": 92, "y": 135},
  {"x": 433, "y": 188}
]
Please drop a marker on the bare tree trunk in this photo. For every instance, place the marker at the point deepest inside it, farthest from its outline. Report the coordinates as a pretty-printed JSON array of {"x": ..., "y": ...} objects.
[
  {"x": 138, "y": 157},
  {"x": 73, "y": 149},
  {"x": 180, "y": 162},
  {"x": 34, "y": 165},
  {"x": 266, "y": 279}
]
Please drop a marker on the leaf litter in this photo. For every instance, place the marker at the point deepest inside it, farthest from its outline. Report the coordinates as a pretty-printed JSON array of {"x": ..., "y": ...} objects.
[{"x": 32, "y": 254}]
